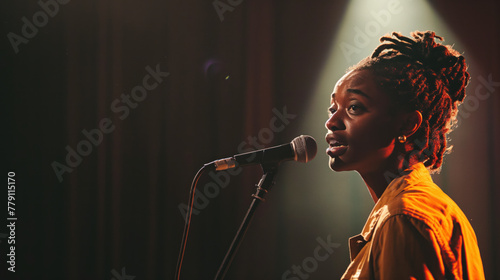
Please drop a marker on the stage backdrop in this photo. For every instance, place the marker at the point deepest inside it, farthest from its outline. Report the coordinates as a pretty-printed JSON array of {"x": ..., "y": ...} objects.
[{"x": 110, "y": 108}]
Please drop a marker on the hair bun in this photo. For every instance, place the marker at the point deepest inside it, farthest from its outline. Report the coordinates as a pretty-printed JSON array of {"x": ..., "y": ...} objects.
[
  {"x": 448, "y": 65},
  {"x": 444, "y": 65},
  {"x": 456, "y": 79}
]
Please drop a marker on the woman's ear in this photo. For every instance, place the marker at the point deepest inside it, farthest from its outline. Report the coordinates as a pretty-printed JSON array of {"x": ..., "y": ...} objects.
[{"x": 411, "y": 123}]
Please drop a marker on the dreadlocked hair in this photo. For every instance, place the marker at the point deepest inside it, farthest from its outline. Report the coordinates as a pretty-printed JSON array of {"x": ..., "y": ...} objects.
[{"x": 420, "y": 74}]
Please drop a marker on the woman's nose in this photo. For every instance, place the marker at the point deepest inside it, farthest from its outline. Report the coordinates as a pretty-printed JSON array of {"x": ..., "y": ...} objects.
[{"x": 335, "y": 121}]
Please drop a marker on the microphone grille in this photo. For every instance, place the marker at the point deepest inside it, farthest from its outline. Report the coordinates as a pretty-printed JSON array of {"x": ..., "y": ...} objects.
[{"x": 305, "y": 148}]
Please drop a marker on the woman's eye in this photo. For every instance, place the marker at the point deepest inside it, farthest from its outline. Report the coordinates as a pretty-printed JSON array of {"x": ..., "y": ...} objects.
[
  {"x": 331, "y": 111},
  {"x": 355, "y": 109}
]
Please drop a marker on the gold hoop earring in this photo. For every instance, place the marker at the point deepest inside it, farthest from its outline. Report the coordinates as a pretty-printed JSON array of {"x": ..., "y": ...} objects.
[{"x": 402, "y": 138}]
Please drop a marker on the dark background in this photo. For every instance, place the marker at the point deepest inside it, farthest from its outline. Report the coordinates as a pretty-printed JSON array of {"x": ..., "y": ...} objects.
[{"x": 119, "y": 207}]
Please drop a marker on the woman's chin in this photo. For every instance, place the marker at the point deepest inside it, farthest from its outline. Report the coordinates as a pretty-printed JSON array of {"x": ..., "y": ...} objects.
[{"x": 336, "y": 164}]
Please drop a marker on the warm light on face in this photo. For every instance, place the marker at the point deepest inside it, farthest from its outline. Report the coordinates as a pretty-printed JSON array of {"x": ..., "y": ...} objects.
[{"x": 343, "y": 195}]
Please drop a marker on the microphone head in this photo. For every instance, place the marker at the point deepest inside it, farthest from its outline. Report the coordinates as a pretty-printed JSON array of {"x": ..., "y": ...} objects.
[{"x": 305, "y": 148}]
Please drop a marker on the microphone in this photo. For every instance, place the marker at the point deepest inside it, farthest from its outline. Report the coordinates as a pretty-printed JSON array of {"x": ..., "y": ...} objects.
[{"x": 302, "y": 149}]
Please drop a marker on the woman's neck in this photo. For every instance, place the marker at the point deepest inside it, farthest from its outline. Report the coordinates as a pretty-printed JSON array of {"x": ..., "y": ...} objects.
[{"x": 378, "y": 179}]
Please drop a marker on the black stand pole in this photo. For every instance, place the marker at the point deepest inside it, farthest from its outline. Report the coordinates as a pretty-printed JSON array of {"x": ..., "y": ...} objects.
[{"x": 263, "y": 186}]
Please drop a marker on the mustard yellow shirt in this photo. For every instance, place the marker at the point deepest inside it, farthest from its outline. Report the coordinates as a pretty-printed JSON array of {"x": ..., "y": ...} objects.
[{"x": 415, "y": 231}]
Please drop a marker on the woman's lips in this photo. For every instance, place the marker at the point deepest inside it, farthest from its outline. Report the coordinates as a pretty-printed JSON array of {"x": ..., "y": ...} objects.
[
  {"x": 335, "y": 151},
  {"x": 337, "y": 146}
]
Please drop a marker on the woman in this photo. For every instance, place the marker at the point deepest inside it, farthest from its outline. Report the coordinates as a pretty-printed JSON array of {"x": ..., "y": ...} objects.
[{"x": 388, "y": 120}]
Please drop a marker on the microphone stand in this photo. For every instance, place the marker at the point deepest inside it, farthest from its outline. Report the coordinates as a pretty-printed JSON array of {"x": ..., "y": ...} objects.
[{"x": 265, "y": 183}]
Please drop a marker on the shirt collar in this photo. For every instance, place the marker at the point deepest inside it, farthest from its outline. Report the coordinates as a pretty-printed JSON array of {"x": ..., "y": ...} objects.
[{"x": 417, "y": 172}]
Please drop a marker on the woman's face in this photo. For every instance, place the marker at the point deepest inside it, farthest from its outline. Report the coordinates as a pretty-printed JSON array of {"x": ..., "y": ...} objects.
[{"x": 361, "y": 126}]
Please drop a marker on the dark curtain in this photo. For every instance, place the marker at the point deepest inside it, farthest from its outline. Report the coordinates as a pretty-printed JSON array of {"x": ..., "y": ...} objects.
[{"x": 112, "y": 107}]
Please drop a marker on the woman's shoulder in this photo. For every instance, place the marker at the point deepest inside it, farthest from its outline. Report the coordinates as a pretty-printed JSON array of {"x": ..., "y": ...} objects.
[
  {"x": 418, "y": 197},
  {"x": 425, "y": 200}
]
